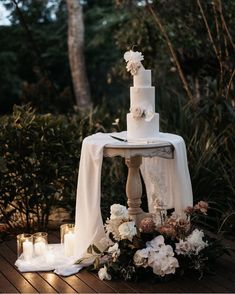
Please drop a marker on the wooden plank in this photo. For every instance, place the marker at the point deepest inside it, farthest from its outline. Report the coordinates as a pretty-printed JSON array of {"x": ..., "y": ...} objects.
[
  {"x": 85, "y": 277},
  {"x": 33, "y": 278},
  {"x": 15, "y": 278},
  {"x": 57, "y": 283},
  {"x": 41, "y": 281},
  {"x": 78, "y": 284},
  {"x": 98, "y": 285},
  {"x": 117, "y": 286},
  {"x": 6, "y": 286},
  {"x": 223, "y": 281},
  {"x": 157, "y": 287}
]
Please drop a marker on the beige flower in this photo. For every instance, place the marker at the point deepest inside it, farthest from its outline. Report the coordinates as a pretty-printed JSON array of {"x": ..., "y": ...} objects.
[{"x": 201, "y": 206}]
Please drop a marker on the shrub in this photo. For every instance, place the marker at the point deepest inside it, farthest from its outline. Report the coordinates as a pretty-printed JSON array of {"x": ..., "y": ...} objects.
[{"x": 39, "y": 159}]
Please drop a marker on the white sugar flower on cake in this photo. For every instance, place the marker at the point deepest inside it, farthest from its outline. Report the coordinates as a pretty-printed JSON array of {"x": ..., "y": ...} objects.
[
  {"x": 138, "y": 112},
  {"x": 133, "y": 59}
]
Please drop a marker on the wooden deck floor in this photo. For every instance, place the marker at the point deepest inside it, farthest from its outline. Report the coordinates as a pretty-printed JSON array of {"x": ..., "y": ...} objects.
[{"x": 12, "y": 281}]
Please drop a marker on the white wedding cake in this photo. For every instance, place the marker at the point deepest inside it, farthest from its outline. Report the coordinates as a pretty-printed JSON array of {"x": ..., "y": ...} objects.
[{"x": 142, "y": 121}]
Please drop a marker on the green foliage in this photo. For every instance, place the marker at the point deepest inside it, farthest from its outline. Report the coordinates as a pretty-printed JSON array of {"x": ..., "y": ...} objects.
[
  {"x": 39, "y": 160},
  {"x": 39, "y": 156}
]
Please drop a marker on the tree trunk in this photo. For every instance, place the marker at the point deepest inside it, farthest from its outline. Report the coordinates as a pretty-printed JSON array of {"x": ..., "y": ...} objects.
[{"x": 76, "y": 54}]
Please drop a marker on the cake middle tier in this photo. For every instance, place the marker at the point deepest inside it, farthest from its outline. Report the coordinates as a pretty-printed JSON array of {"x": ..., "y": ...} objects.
[
  {"x": 142, "y": 97},
  {"x": 142, "y": 129}
]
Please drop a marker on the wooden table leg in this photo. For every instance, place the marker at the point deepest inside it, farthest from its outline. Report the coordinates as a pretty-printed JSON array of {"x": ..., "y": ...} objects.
[{"x": 134, "y": 186}]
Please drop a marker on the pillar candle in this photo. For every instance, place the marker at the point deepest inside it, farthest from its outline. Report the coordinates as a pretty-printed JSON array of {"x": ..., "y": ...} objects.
[
  {"x": 69, "y": 244},
  {"x": 40, "y": 248},
  {"x": 27, "y": 249}
]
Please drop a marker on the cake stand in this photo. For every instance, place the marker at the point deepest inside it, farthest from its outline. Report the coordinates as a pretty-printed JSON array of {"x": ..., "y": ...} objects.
[{"x": 133, "y": 154}]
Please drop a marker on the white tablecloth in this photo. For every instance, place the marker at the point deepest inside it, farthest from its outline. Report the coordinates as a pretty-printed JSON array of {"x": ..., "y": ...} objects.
[
  {"x": 176, "y": 181},
  {"x": 165, "y": 179}
]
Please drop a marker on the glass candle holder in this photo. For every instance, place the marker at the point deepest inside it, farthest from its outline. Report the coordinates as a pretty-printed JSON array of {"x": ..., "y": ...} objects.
[
  {"x": 25, "y": 246},
  {"x": 64, "y": 229},
  {"x": 68, "y": 239},
  {"x": 40, "y": 240}
]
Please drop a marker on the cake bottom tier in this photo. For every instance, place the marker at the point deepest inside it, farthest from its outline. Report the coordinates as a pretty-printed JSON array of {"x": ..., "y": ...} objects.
[{"x": 142, "y": 129}]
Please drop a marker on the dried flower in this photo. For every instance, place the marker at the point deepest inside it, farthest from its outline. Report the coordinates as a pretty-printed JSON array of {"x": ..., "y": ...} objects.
[
  {"x": 167, "y": 230},
  {"x": 189, "y": 210},
  {"x": 125, "y": 258},
  {"x": 147, "y": 225},
  {"x": 201, "y": 206}
]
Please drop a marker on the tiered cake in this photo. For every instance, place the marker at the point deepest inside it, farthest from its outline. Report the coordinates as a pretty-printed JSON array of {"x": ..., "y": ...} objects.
[{"x": 142, "y": 121}]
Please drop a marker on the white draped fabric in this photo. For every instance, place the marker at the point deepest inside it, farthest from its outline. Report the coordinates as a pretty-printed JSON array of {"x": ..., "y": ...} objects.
[
  {"x": 165, "y": 179},
  {"x": 172, "y": 176}
]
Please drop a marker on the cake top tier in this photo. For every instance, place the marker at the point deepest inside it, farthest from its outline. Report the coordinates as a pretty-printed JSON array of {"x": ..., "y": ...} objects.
[{"x": 141, "y": 76}]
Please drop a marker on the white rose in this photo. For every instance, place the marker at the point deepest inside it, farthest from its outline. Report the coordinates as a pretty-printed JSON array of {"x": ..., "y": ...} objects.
[
  {"x": 166, "y": 251},
  {"x": 127, "y": 230},
  {"x": 103, "y": 274},
  {"x": 137, "y": 112},
  {"x": 163, "y": 265},
  {"x": 118, "y": 212},
  {"x": 156, "y": 243},
  {"x": 141, "y": 257}
]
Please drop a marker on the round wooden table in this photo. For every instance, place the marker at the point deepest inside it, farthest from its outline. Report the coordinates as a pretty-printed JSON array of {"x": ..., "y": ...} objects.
[{"x": 133, "y": 154}]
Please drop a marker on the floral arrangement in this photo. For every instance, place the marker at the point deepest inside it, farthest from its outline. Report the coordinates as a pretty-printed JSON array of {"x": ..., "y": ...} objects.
[
  {"x": 140, "y": 112},
  {"x": 161, "y": 246},
  {"x": 133, "y": 60}
]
